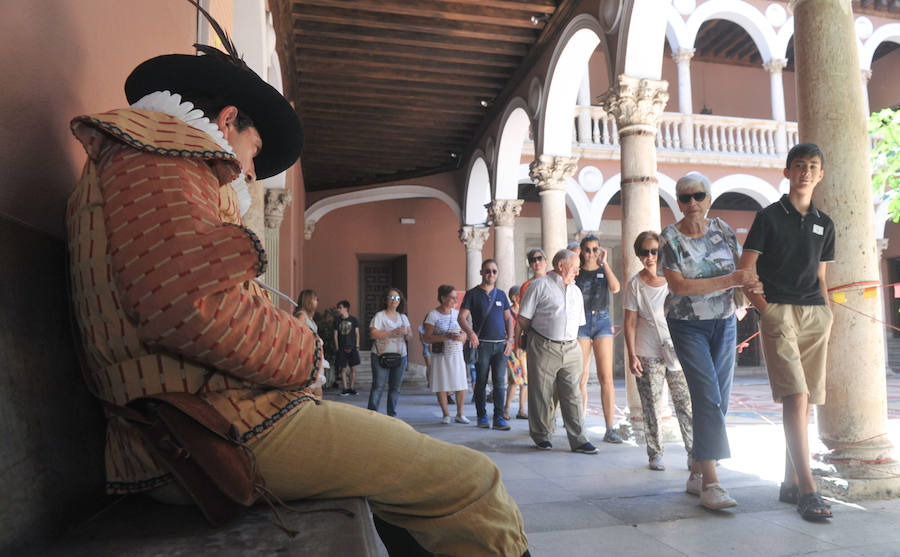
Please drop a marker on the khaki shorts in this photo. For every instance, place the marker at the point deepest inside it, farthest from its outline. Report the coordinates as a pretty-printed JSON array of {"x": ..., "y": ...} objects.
[{"x": 795, "y": 342}]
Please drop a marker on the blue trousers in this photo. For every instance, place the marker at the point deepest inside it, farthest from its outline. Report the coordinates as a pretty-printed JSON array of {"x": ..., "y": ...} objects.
[
  {"x": 707, "y": 350},
  {"x": 490, "y": 358},
  {"x": 393, "y": 378}
]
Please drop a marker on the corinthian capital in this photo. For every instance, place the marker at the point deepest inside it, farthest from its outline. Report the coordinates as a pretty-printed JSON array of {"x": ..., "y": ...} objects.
[
  {"x": 550, "y": 173},
  {"x": 504, "y": 211},
  {"x": 276, "y": 203},
  {"x": 775, "y": 65},
  {"x": 636, "y": 101},
  {"x": 309, "y": 227},
  {"x": 683, "y": 55},
  {"x": 473, "y": 236}
]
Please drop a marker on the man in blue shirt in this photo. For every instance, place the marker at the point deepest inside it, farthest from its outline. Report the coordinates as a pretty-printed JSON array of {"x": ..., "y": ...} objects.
[{"x": 491, "y": 333}]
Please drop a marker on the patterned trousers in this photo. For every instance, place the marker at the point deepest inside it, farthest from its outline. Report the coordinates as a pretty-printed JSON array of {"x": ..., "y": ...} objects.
[{"x": 650, "y": 388}]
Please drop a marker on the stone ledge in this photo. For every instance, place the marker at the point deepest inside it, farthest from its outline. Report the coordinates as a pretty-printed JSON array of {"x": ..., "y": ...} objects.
[{"x": 141, "y": 527}]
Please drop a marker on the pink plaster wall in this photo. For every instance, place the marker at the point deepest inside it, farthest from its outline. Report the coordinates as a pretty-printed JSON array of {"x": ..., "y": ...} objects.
[
  {"x": 884, "y": 87},
  {"x": 731, "y": 90}
]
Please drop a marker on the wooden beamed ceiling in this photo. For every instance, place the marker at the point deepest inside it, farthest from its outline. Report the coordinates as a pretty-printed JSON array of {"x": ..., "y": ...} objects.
[{"x": 389, "y": 89}]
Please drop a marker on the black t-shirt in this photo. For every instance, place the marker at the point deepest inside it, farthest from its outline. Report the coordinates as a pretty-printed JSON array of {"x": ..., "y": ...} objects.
[
  {"x": 346, "y": 331},
  {"x": 595, "y": 289},
  {"x": 790, "y": 248}
]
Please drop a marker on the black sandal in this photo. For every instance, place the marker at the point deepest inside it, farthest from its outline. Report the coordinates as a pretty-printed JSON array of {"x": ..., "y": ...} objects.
[
  {"x": 811, "y": 506},
  {"x": 788, "y": 494}
]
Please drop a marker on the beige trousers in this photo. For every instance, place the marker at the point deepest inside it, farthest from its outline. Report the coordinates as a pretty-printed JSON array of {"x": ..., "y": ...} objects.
[
  {"x": 449, "y": 497},
  {"x": 550, "y": 365}
]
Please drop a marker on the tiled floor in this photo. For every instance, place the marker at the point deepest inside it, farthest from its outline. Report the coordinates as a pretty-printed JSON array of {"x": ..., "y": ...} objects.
[{"x": 611, "y": 504}]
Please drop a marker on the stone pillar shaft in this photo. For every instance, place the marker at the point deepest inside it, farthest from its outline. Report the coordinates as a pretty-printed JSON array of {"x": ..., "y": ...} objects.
[
  {"x": 473, "y": 238},
  {"x": 776, "y": 90},
  {"x": 584, "y": 99},
  {"x": 504, "y": 212},
  {"x": 683, "y": 57},
  {"x": 276, "y": 202},
  {"x": 853, "y": 421},
  {"x": 550, "y": 174},
  {"x": 637, "y": 105},
  {"x": 866, "y": 77}
]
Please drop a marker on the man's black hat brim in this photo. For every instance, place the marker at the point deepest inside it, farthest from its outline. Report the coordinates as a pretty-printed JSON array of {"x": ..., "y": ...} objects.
[{"x": 273, "y": 116}]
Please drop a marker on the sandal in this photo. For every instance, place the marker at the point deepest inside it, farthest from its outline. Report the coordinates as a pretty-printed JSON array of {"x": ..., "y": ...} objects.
[
  {"x": 788, "y": 494},
  {"x": 811, "y": 506}
]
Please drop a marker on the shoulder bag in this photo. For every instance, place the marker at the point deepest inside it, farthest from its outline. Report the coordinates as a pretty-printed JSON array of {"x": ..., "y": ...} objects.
[
  {"x": 392, "y": 360},
  {"x": 470, "y": 353}
]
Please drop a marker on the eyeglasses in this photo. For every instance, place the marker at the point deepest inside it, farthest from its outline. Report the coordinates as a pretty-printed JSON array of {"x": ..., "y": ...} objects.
[
  {"x": 697, "y": 196},
  {"x": 490, "y": 271},
  {"x": 646, "y": 252},
  {"x": 396, "y": 298},
  {"x": 536, "y": 258}
]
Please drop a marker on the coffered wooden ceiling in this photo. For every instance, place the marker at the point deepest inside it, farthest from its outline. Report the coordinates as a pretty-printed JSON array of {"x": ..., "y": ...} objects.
[{"x": 389, "y": 89}]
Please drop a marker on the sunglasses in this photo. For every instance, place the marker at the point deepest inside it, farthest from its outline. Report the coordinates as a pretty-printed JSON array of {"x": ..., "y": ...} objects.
[
  {"x": 490, "y": 271},
  {"x": 536, "y": 258},
  {"x": 595, "y": 249},
  {"x": 686, "y": 197},
  {"x": 396, "y": 298},
  {"x": 646, "y": 252}
]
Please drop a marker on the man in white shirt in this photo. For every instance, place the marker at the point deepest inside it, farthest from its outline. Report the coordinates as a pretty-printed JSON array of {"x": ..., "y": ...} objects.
[{"x": 551, "y": 312}]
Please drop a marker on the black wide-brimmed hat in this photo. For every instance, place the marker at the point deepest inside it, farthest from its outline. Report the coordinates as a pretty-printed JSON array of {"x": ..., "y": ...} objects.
[{"x": 227, "y": 76}]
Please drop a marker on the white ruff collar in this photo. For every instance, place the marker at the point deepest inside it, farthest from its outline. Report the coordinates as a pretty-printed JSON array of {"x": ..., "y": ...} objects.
[{"x": 171, "y": 104}]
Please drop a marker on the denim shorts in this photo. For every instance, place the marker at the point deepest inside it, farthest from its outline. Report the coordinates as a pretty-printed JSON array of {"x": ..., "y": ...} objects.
[{"x": 598, "y": 325}]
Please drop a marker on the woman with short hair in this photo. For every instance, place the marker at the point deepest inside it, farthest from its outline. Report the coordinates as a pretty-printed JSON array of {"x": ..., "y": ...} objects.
[
  {"x": 448, "y": 368},
  {"x": 698, "y": 257}
]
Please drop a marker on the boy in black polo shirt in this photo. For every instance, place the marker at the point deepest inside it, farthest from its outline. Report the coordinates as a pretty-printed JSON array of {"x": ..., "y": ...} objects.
[{"x": 788, "y": 246}]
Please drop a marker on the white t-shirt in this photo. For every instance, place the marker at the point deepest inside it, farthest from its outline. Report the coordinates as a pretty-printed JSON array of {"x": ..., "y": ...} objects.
[
  {"x": 646, "y": 338},
  {"x": 392, "y": 344},
  {"x": 444, "y": 324}
]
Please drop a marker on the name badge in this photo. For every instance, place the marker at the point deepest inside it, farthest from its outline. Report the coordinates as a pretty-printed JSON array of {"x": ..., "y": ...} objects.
[
  {"x": 716, "y": 239},
  {"x": 498, "y": 304},
  {"x": 599, "y": 275},
  {"x": 817, "y": 229}
]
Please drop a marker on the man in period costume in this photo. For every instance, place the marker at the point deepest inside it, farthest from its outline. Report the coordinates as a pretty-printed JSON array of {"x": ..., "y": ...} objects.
[{"x": 162, "y": 271}]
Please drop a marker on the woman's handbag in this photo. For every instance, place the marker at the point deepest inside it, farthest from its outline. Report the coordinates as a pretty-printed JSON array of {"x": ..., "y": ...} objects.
[
  {"x": 390, "y": 360},
  {"x": 665, "y": 341},
  {"x": 437, "y": 347}
]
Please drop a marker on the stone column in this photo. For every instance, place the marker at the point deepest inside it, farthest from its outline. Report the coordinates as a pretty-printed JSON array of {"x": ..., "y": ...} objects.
[
  {"x": 776, "y": 87},
  {"x": 549, "y": 174},
  {"x": 254, "y": 218},
  {"x": 584, "y": 99},
  {"x": 473, "y": 237},
  {"x": 881, "y": 244},
  {"x": 853, "y": 420},
  {"x": 866, "y": 77},
  {"x": 637, "y": 105},
  {"x": 504, "y": 212},
  {"x": 683, "y": 57},
  {"x": 277, "y": 202}
]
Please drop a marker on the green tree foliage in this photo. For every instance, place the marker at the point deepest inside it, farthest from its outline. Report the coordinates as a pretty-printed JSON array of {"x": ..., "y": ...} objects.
[{"x": 886, "y": 158}]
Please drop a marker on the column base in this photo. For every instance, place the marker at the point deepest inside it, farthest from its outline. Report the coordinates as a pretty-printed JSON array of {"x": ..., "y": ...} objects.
[
  {"x": 859, "y": 489},
  {"x": 864, "y": 471}
]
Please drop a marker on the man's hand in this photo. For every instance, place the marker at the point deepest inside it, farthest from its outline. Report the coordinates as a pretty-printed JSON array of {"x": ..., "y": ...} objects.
[
  {"x": 508, "y": 347},
  {"x": 635, "y": 366},
  {"x": 473, "y": 339}
]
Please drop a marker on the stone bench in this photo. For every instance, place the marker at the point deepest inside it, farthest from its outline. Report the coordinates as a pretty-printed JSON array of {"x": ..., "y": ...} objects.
[{"x": 137, "y": 526}]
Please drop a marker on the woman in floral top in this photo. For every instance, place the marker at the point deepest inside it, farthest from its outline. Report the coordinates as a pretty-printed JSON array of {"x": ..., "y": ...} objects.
[{"x": 698, "y": 258}]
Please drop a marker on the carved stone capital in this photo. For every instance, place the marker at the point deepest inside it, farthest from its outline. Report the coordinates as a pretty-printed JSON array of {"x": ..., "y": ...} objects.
[
  {"x": 474, "y": 236},
  {"x": 683, "y": 55},
  {"x": 866, "y": 75},
  {"x": 636, "y": 101},
  {"x": 775, "y": 65},
  {"x": 504, "y": 211},
  {"x": 277, "y": 202},
  {"x": 309, "y": 227},
  {"x": 550, "y": 173}
]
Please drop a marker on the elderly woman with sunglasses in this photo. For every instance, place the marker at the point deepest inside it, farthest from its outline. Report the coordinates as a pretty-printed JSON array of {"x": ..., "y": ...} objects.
[
  {"x": 597, "y": 280},
  {"x": 698, "y": 258},
  {"x": 651, "y": 357}
]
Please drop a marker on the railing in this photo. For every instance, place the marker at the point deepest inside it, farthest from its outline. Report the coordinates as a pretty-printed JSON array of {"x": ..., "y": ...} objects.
[{"x": 696, "y": 133}]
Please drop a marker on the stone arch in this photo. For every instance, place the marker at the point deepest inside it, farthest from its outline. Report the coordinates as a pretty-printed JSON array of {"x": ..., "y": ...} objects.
[
  {"x": 748, "y": 17},
  {"x": 753, "y": 187},
  {"x": 885, "y": 33},
  {"x": 567, "y": 66},
  {"x": 786, "y": 33},
  {"x": 613, "y": 185},
  {"x": 513, "y": 133},
  {"x": 320, "y": 208},
  {"x": 478, "y": 190},
  {"x": 642, "y": 39},
  {"x": 676, "y": 30},
  {"x": 576, "y": 199}
]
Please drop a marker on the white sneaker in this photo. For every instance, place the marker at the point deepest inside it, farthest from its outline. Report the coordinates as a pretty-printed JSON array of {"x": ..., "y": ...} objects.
[
  {"x": 445, "y": 420},
  {"x": 461, "y": 420},
  {"x": 694, "y": 484},
  {"x": 715, "y": 497}
]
